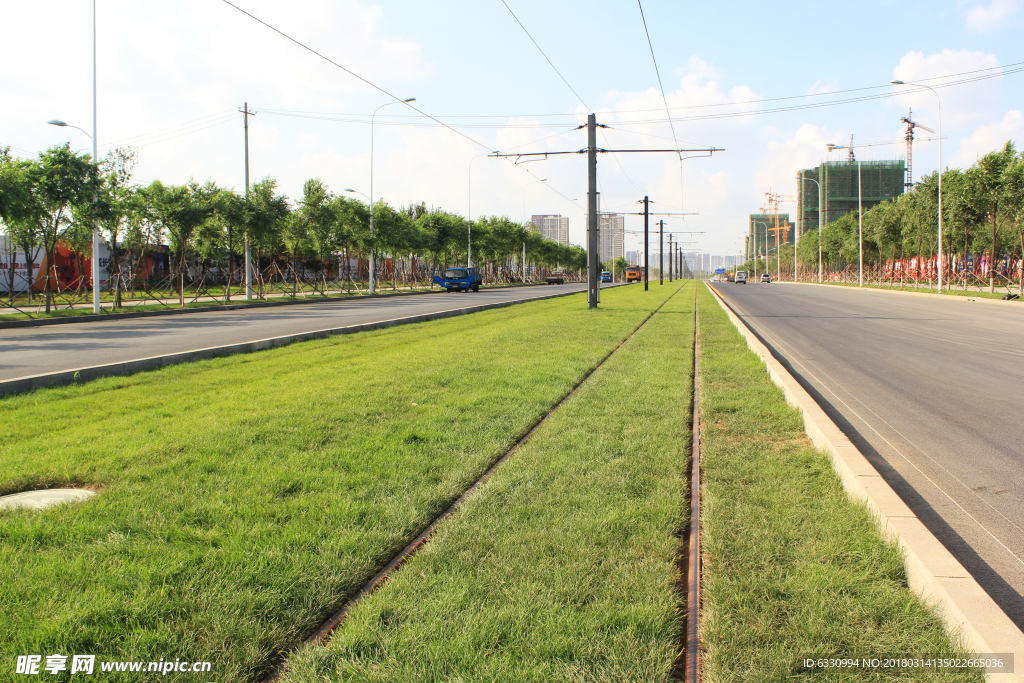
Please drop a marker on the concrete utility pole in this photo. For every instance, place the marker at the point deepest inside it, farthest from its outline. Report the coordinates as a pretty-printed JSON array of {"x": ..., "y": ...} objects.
[
  {"x": 647, "y": 276},
  {"x": 592, "y": 261},
  {"x": 672, "y": 256},
  {"x": 248, "y": 259},
  {"x": 661, "y": 252}
]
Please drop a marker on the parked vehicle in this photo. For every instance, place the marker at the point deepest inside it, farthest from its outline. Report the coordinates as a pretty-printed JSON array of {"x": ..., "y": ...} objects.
[
  {"x": 634, "y": 274},
  {"x": 730, "y": 278},
  {"x": 765, "y": 277},
  {"x": 556, "y": 278},
  {"x": 606, "y": 276},
  {"x": 460, "y": 279},
  {"x": 741, "y": 277}
]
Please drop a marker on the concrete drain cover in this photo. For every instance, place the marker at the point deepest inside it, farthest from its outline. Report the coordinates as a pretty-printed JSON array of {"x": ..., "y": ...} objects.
[{"x": 44, "y": 499}]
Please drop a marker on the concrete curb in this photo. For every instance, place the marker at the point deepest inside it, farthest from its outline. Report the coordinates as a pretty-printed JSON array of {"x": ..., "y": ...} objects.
[
  {"x": 932, "y": 571},
  {"x": 934, "y": 295},
  {"x": 106, "y": 317},
  {"x": 21, "y": 385}
]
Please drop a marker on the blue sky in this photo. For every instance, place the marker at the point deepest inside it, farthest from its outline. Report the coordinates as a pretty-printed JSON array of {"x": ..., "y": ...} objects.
[{"x": 163, "y": 65}]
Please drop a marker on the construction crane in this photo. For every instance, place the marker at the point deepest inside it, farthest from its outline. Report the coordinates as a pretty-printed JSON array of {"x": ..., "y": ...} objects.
[
  {"x": 911, "y": 125},
  {"x": 773, "y": 199}
]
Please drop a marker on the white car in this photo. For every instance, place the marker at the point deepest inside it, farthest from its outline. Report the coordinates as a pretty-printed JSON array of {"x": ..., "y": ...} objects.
[{"x": 741, "y": 277}]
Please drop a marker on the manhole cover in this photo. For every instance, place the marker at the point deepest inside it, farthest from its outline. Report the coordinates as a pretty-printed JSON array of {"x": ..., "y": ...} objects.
[{"x": 44, "y": 499}]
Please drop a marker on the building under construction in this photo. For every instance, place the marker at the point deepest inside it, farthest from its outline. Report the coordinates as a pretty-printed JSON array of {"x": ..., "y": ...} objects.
[
  {"x": 766, "y": 231},
  {"x": 880, "y": 180}
]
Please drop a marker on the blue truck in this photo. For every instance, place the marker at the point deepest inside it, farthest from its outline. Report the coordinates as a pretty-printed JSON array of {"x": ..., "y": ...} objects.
[{"x": 460, "y": 279}]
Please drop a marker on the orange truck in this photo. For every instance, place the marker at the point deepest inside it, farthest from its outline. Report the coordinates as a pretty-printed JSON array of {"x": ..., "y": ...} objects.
[{"x": 634, "y": 274}]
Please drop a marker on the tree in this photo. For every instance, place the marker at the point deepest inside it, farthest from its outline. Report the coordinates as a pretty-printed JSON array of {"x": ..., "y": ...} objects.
[
  {"x": 989, "y": 195},
  {"x": 267, "y": 215},
  {"x": 116, "y": 205},
  {"x": 59, "y": 180},
  {"x": 317, "y": 212},
  {"x": 16, "y": 213},
  {"x": 183, "y": 209}
]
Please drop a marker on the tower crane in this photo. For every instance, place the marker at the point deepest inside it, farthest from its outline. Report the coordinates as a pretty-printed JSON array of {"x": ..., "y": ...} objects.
[{"x": 911, "y": 125}]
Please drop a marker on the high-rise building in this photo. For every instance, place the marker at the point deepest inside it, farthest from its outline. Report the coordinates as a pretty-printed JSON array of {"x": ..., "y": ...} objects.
[
  {"x": 879, "y": 181},
  {"x": 633, "y": 258},
  {"x": 553, "y": 227},
  {"x": 766, "y": 231},
  {"x": 611, "y": 234}
]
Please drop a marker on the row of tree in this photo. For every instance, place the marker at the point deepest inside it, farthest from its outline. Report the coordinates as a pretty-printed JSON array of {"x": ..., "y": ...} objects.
[
  {"x": 57, "y": 197},
  {"x": 982, "y": 228}
]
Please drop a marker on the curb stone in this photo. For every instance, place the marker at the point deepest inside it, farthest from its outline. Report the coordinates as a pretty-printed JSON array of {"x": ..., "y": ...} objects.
[
  {"x": 108, "y": 317},
  {"x": 20, "y": 385},
  {"x": 934, "y": 295},
  {"x": 932, "y": 572}
]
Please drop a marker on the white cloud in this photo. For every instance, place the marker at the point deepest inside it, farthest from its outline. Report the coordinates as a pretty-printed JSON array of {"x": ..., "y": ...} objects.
[
  {"x": 806, "y": 148},
  {"x": 989, "y": 138},
  {"x": 968, "y": 104},
  {"x": 998, "y": 12}
]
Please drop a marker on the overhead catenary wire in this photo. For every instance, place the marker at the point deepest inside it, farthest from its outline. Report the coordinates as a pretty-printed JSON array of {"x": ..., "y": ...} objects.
[
  {"x": 664, "y": 99},
  {"x": 545, "y": 56},
  {"x": 369, "y": 83}
]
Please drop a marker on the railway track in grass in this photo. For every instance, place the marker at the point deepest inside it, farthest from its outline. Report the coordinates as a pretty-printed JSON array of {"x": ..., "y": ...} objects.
[{"x": 323, "y": 633}]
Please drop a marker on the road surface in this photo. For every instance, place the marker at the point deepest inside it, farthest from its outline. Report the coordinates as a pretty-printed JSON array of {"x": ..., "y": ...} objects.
[
  {"x": 36, "y": 350},
  {"x": 931, "y": 390}
]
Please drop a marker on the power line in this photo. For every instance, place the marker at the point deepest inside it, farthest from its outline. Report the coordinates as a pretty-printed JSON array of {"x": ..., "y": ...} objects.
[
  {"x": 657, "y": 73},
  {"x": 545, "y": 56},
  {"x": 353, "y": 74},
  {"x": 372, "y": 85}
]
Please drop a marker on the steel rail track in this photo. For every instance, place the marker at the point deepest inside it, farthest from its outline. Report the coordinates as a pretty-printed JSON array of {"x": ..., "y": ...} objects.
[{"x": 321, "y": 635}]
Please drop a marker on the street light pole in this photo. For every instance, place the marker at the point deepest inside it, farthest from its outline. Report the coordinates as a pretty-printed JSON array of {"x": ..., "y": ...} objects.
[
  {"x": 820, "y": 218},
  {"x": 939, "y": 99},
  {"x": 96, "y": 189},
  {"x": 95, "y": 201},
  {"x": 755, "y": 245},
  {"x": 860, "y": 214},
  {"x": 372, "y": 245}
]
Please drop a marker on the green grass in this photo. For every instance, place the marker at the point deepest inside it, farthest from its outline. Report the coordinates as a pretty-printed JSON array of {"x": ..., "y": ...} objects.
[
  {"x": 242, "y": 500},
  {"x": 562, "y": 566},
  {"x": 792, "y": 567}
]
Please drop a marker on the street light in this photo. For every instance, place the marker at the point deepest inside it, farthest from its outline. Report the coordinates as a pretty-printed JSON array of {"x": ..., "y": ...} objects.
[
  {"x": 755, "y": 244},
  {"x": 921, "y": 85},
  {"x": 820, "y": 218},
  {"x": 96, "y": 189},
  {"x": 542, "y": 180},
  {"x": 372, "y": 245},
  {"x": 860, "y": 214}
]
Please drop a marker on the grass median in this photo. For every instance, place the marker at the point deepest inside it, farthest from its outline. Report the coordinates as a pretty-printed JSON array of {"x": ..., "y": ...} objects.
[
  {"x": 562, "y": 566},
  {"x": 242, "y": 500},
  {"x": 793, "y": 569}
]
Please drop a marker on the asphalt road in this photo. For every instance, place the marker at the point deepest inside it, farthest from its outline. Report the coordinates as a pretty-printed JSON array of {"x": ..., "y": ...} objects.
[
  {"x": 931, "y": 390},
  {"x": 36, "y": 350}
]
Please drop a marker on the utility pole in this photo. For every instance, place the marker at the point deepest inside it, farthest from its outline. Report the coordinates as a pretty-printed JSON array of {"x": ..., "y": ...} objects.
[
  {"x": 592, "y": 272},
  {"x": 248, "y": 259},
  {"x": 661, "y": 252},
  {"x": 671, "y": 257},
  {"x": 647, "y": 276}
]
